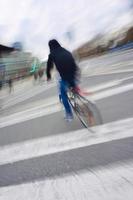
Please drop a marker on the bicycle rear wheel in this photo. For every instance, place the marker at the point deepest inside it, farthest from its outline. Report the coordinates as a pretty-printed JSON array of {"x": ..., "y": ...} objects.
[{"x": 87, "y": 112}]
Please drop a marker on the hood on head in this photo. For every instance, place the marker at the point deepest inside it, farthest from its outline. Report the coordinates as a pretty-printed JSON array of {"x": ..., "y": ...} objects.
[{"x": 53, "y": 44}]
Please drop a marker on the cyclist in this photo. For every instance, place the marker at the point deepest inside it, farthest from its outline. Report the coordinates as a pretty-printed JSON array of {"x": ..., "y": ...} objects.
[{"x": 68, "y": 70}]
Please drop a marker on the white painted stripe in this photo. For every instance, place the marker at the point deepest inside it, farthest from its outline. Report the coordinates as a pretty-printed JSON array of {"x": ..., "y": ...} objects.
[
  {"x": 14, "y": 99},
  {"x": 52, "y": 105},
  {"x": 39, "y": 89},
  {"x": 111, "y": 92},
  {"x": 66, "y": 141},
  {"x": 111, "y": 72},
  {"x": 109, "y": 84},
  {"x": 104, "y": 86},
  {"x": 28, "y": 115},
  {"x": 21, "y": 97},
  {"x": 40, "y": 109},
  {"x": 109, "y": 182}
]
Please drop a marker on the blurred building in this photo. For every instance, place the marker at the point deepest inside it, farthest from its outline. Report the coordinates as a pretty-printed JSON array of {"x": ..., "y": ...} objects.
[
  {"x": 18, "y": 64},
  {"x": 4, "y": 50},
  {"x": 15, "y": 62}
]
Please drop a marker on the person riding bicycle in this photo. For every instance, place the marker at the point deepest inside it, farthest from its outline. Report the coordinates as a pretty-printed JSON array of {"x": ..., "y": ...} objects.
[{"x": 68, "y": 70}]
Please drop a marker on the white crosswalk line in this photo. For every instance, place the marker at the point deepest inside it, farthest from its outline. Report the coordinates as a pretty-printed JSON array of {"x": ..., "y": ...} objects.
[
  {"x": 104, "y": 182},
  {"x": 23, "y": 96},
  {"x": 28, "y": 115},
  {"x": 39, "y": 89},
  {"x": 110, "y": 181},
  {"x": 109, "y": 84},
  {"x": 114, "y": 91},
  {"x": 66, "y": 141},
  {"x": 31, "y": 93},
  {"x": 52, "y": 105}
]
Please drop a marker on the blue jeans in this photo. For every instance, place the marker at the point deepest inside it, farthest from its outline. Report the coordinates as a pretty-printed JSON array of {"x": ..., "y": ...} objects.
[{"x": 64, "y": 85}]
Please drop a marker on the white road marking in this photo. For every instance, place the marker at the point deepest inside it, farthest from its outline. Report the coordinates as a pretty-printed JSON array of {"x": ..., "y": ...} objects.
[
  {"x": 21, "y": 97},
  {"x": 89, "y": 70},
  {"x": 52, "y": 105},
  {"x": 109, "y": 182},
  {"x": 110, "y": 72},
  {"x": 111, "y": 92},
  {"x": 12, "y": 100},
  {"x": 29, "y": 114},
  {"x": 108, "y": 84},
  {"x": 66, "y": 141}
]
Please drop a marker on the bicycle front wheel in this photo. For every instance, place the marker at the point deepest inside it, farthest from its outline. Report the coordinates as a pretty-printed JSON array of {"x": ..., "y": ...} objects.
[{"x": 87, "y": 112}]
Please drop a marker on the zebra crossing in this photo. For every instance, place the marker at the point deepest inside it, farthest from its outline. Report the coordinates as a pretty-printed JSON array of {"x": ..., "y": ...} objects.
[
  {"x": 71, "y": 165},
  {"x": 87, "y": 71},
  {"x": 26, "y": 94},
  {"x": 66, "y": 141},
  {"x": 108, "y": 64},
  {"x": 51, "y": 105},
  {"x": 61, "y": 166}
]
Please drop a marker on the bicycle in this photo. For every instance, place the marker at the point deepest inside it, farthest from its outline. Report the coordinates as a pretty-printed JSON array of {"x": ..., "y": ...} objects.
[{"x": 86, "y": 110}]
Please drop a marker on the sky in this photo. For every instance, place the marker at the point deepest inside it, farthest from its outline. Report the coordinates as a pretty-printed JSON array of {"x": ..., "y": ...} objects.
[{"x": 72, "y": 22}]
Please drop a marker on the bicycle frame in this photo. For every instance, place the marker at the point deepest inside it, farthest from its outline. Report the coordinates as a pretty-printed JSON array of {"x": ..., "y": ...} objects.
[{"x": 86, "y": 104}]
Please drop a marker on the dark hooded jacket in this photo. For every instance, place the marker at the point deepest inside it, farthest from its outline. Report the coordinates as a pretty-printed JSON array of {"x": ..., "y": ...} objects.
[{"x": 63, "y": 61}]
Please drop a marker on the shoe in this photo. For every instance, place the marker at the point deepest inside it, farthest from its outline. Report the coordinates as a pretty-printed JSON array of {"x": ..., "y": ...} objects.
[{"x": 68, "y": 117}]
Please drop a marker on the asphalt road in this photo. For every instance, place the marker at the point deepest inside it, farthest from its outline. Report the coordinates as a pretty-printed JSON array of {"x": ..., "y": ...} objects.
[
  {"x": 113, "y": 106},
  {"x": 67, "y": 162},
  {"x": 86, "y": 82},
  {"x": 110, "y": 63}
]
